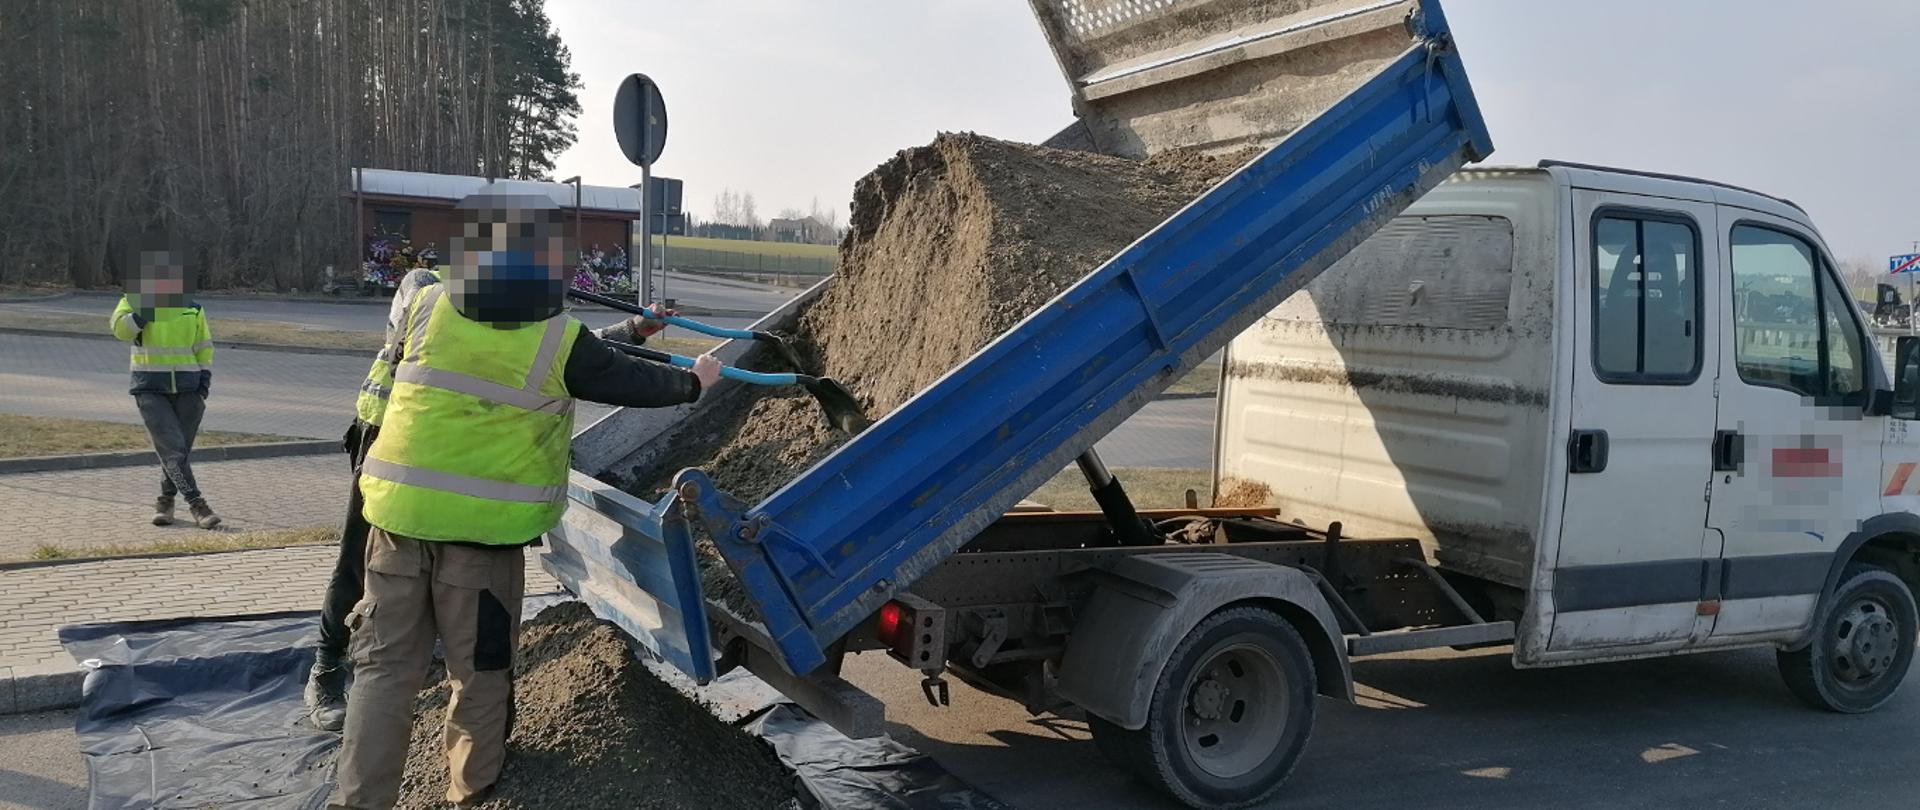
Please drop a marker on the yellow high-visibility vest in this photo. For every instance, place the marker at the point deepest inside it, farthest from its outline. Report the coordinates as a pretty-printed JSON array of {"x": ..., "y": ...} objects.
[{"x": 475, "y": 441}]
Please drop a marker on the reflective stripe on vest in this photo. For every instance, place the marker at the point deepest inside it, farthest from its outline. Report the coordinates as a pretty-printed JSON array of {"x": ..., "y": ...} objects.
[
  {"x": 462, "y": 484},
  {"x": 371, "y": 403},
  {"x": 171, "y": 341},
  {"x": 477, "y": 426}
]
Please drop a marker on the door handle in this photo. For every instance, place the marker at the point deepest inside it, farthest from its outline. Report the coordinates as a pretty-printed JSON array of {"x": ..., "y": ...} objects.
[
  {"x": 1587, "y": 451},
  {"x": 1728, "y": 451}
]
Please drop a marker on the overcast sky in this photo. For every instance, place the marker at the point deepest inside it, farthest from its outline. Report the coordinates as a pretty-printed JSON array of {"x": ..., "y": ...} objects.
[{"x": 1817, "y": 102}]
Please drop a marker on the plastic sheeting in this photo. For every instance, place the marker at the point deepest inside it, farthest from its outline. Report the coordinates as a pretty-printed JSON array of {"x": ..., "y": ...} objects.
[
  {"x": 872, "y": 773},
  {"x": 200, "y": 712},
  {"x": 208, "y": 713}
]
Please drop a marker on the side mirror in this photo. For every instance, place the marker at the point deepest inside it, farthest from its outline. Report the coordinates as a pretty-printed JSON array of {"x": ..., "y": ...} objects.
[{"x": 1906, "y": 378}]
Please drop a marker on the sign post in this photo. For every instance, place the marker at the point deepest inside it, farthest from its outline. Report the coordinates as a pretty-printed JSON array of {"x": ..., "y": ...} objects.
[
  {"x": 640, "y": 125},
  {"x": 1906, "y": 265}
]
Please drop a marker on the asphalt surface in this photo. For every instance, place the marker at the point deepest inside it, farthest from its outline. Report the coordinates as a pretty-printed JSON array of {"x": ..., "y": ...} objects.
[
  {"x": 311, "y": 396},
  {"x": 1438, "y": 730},
  {"x": 692, "y": 291},
  {"x": 40, "y": 763},
  {"x": 1447, "y": 729}
]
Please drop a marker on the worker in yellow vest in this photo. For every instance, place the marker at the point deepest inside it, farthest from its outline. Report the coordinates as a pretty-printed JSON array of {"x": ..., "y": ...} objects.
[
  {"x": 325, "y": 693},
  {"x": 172, "y": 368},
  {"x": 469, "y": 468}
]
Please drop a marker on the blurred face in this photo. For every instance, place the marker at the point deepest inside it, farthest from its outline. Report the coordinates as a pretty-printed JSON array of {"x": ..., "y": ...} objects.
[
  {"x": 509, "y": 262},
  {"x": 160, "y": 278}
]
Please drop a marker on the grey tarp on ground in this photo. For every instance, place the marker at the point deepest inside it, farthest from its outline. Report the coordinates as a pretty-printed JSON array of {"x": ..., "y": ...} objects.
[{"x": 207, "y": 712}]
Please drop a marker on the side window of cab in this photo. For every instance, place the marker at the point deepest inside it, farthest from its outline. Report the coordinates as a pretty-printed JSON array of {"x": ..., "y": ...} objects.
[{"x": 1795, "y": 326}]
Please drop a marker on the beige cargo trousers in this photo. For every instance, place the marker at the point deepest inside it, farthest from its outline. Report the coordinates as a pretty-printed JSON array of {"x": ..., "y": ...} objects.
[{"x": 467, "y": 596}]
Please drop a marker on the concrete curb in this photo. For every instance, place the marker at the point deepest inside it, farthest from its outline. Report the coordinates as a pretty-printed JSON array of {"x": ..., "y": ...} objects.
[
  {"x": 21, "y": 565},
  {"x": 134, "y": 458},
  {"x": 40, "y": 687},
  {"x": 218, "y": 344},
  {"x": 34, "y": 299}
]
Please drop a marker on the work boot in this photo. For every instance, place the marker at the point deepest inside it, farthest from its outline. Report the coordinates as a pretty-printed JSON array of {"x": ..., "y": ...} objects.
[
  {"x": 326, "y": 696},
  {"x": 203, "y": 515},
  {"x": 163, "y": 510}
]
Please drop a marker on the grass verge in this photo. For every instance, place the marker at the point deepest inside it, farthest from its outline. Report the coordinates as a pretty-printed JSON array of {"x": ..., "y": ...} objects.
[
  {"x": 1203, "y": 380},
  {"x": 275, "y": 333},
  {"x": 272, "y": 333},
  {"x": 748, "y": 247},
  {"x": 22, "y": 436},
  {"x": 1150, "y": 488},
  {"x": 194, "y": 541}
]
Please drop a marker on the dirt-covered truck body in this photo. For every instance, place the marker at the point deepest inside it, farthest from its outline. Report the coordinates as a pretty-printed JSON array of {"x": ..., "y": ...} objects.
[{"x": 1634, "y": 414}]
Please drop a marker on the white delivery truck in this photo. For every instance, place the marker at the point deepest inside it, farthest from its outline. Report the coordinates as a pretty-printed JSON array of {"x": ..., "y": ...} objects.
[{"x": 1634, "y": 414}]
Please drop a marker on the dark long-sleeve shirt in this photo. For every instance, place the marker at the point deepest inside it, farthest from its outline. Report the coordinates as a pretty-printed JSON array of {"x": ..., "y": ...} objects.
[{"x": 600, "y": 373}]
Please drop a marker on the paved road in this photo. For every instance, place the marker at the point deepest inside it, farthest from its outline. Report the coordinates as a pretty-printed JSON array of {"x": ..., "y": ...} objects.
[
  {"x": 1444, "y": 730},
  {"x": 688, "y": 290},
  {"x": 311, "y": 396},
  {"x": 1169, "y": 433},
  {"x": 40, "y": 763},
  {"x": 286, "y": 393}
]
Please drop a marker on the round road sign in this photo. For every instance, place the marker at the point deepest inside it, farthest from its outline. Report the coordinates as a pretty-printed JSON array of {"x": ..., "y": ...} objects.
[{"x": 640, "y": 120}]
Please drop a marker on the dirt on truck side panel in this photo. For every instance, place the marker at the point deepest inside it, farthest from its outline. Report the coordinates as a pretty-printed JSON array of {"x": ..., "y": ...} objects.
[{"x": 1407, "y": 391}]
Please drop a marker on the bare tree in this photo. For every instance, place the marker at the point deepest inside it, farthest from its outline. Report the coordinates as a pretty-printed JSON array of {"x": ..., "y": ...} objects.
[
  {"x": 791, "y": 213},
  {"x": 1861, "y": 274},
  {"x": 749, "y": 212},
  {"x": 828, "y": 217},
  {"x": 726, "y": 207}
]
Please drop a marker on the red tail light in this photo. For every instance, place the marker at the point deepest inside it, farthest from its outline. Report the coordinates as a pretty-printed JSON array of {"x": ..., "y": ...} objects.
[{"x": 889, "y": 630}]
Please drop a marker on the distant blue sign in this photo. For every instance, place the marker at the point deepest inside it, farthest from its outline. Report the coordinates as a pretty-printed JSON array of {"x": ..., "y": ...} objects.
[{"x": 1909, "y": 263}]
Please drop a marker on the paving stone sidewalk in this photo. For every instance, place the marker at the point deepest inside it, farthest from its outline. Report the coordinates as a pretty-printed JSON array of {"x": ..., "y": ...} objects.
[
  {"x": 35, "y": 601},
  {"x": 81, "y": 508}
]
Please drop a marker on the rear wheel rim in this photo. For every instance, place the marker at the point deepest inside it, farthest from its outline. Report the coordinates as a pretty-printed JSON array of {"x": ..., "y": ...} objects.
[
  {"x": 1866, "y": 644},
  {"x": 1234, "y": 710}
]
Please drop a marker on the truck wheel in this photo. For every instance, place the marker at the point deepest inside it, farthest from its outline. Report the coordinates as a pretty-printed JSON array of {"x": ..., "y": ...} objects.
[
  {"x": 1229, "y": 716},
  {"x": 1862, "y": 645}
]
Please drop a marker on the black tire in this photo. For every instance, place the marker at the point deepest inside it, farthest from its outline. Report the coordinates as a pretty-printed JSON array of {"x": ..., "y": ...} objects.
[
  {"x": 1862, "y": 646},
  {"x": 1255, "y": 743}
]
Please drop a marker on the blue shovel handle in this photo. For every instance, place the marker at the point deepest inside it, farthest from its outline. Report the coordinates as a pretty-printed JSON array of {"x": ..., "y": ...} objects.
[
  {"x": 729, "y": 372},
  {"x": 702, "y": 328},
  {"x": 647, "y": 312}
]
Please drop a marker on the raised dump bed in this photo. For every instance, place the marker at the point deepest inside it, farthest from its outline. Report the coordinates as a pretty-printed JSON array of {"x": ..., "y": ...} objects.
[{"x": 822, "y": 554}]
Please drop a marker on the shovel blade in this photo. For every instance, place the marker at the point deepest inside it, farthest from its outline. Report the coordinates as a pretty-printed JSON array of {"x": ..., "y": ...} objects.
[{"x": 842, "y": 410}]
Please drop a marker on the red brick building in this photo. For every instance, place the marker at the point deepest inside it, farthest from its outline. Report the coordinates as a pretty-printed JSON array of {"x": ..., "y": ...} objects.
[{"x": 418, "y": 207}]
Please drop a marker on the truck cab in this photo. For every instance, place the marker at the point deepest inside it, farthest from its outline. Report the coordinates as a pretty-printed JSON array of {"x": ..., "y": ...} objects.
[{"x": 1640, "y": 414}]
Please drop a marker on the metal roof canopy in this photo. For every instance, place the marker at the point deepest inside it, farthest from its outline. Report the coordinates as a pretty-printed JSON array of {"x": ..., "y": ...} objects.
[{"x": 454, "y": 187}]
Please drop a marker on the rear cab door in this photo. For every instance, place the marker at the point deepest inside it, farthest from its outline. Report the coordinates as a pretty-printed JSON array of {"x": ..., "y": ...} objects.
[
  {"x": 1627, "y": 575},
  {"x": 1797, "y": 460}
]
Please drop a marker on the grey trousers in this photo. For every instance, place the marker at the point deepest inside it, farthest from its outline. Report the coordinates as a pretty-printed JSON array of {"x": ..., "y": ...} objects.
[{"x": 172, "y": 422}]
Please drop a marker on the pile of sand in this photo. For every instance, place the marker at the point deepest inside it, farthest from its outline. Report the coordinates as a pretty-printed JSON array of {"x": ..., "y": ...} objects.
[
  {"x": 951, "y": 244},
  {"x": 594, "y": 728}
]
